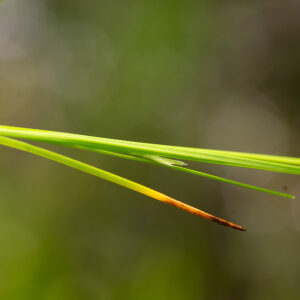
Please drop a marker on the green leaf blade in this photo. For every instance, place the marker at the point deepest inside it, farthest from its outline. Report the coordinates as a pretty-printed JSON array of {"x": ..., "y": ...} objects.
[
  {"x": 275, "y": 164},
  {"x": 113, "y": 178}
]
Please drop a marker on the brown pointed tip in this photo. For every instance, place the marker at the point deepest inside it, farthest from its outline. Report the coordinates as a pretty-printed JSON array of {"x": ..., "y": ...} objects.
[
  {"x": 201, "y": 213},
  {"x": 227, "y": 224},
  {"x": 241, "y": 228}
]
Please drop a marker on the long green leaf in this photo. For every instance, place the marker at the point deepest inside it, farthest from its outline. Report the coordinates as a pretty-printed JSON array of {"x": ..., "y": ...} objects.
[
  {"x": 190, "y": 171},
  {"x": 132, "y": 148},
  {"x": 113, "y": 178}
]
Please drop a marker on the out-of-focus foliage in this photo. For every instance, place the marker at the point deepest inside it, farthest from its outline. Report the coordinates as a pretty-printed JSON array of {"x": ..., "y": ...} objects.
[{"x": 207, "y": 74}]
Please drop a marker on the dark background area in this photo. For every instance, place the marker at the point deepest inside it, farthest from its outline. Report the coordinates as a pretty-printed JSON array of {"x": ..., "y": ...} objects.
[{"x": 208, "y": 74}]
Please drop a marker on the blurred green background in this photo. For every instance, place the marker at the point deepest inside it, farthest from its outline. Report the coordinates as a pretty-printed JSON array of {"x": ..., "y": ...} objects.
[{"x": 209, "y": 74}]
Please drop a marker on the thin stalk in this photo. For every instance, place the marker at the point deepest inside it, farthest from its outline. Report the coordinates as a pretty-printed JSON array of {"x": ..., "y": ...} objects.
[
  {"x": 190, "y": 171},
  {"x": 173, "y": 152},
  {"x": 113, "y": 178}
]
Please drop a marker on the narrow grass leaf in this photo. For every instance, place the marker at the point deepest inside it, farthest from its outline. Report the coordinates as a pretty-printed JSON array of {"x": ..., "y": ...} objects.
[
  {"x": 112, "y": 178},
  {"x": 190, "y": 171},
  {"x": 256, "y": 161}
]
